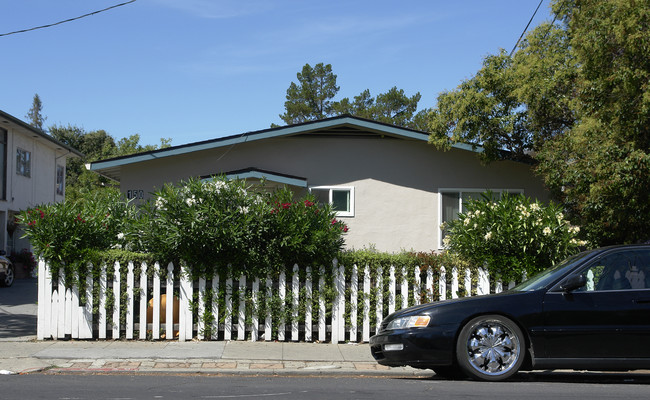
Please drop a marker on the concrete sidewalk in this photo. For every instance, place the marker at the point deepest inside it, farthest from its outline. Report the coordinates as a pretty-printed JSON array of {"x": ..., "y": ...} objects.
[{"x": 232, "y": 357}]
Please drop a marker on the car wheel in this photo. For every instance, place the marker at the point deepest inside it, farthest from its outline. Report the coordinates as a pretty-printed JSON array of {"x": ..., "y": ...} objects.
[
  {"x": 490, "y": 348},
  {"x": 9, "y": 277}
]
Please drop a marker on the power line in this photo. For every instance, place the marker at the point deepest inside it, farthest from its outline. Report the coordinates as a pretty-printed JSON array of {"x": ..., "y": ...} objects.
[
  {"x": 68, "y": 20},
  {"x": 526, "y": 28}
]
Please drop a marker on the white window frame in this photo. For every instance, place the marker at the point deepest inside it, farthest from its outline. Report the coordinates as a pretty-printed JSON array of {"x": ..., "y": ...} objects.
[
  {"x": 460, "y": 192},
  {"x": 350, "y": 189},
  {"x": 26, "y": 160}
]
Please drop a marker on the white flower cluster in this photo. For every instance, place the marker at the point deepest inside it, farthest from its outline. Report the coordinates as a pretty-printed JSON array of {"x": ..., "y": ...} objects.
[{"x": 161, "y": 203}]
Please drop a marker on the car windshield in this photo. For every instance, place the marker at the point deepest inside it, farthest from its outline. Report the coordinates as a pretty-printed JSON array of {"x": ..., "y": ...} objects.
[{"x": 551, "y": 275}]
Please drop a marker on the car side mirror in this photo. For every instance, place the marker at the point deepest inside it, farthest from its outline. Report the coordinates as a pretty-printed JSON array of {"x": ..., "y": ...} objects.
[{"x": 573, "y": 282}]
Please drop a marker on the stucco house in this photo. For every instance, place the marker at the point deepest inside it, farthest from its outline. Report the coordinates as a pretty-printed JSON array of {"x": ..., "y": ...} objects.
[
  {"x": 389, "y": 185},
  {"x": 32, "y": 172}
]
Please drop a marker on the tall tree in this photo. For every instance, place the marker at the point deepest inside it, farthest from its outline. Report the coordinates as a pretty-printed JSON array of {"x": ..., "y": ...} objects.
[
  {"x": 35, "y": 114},
  {"x": 95, "y": 145},
  {"x": 576, "y": 98},
  {"x": 310, "y": 98}
]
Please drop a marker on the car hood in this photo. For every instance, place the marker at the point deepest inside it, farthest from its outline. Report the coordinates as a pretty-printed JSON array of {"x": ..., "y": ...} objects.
[{"x": 476, "y": 304}]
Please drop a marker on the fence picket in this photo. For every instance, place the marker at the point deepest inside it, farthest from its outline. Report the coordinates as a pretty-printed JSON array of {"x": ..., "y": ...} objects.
[
  {"x": 227, "y": 325},
  {"x": 169, "y": 303},
  {"x": 255, "y": 332},
  {"x": 442, "y": 284},
  {"x": 241, "y": 318},
  {"x": 143, "y": 302},
  {"x": 308, "y": 305},
  {"x": 283, "y": 294},
  {"x": 354, "y": 288},
  {"x": 215, "y": 307},
  {"x": 102, "y": 318},
  {"x": 115, "y": 323},
  {"x": 155, "y": 309},
  {"x": 295, "y": 297},
  {"x": 268, "y": 321},
  {"x": 379, "y": 307},
  {"x": 129, "y": 301},
  {"x": 322, "y": 327},
  {"x": 200, "y": 325},
  {"x": 365, "y": 336}
]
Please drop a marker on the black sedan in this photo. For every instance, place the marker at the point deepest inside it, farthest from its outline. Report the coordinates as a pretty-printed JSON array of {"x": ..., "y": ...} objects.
[{"x": 591, "y": 312}]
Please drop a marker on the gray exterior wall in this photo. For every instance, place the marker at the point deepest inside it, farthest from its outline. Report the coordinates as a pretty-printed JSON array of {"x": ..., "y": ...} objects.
[{"x": 396, "y": 181}]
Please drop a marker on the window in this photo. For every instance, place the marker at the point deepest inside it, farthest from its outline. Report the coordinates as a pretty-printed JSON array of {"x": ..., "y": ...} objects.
[
  {"x": 454, "y": 201},
  {"x": 627, "y": 270},
  {"x": 23, "y": 163},
  {"x": 3, "y": 164},
  {"x": 341, "y": 198},
  {"x": 60, "y": 180}
]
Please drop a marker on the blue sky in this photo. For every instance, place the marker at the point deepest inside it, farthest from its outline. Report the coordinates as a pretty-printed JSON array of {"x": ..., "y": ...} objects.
[{"x": 194, "y": 70}]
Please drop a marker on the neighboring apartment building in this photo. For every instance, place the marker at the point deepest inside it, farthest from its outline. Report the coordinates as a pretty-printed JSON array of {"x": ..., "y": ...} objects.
[
  {"x": 389, "y": 185},
  {"x": 32, "y": 172}
]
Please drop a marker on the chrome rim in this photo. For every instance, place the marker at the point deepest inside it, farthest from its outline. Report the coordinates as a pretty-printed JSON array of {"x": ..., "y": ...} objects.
[
  {"x": 492, "y": 348},
  {"x": 9, "y": 276}
]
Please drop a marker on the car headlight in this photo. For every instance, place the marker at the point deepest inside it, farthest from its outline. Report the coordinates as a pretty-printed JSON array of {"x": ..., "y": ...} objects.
[{"x": 415, "y": 321}]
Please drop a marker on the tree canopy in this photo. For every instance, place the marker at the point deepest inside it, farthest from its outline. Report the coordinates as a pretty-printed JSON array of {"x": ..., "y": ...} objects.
[
  {"x": 95, "y": 145},
  {"x": 312, "y": 98},
  {"x": 35, "y": 114},
  {"x": 575, "y": 100}
]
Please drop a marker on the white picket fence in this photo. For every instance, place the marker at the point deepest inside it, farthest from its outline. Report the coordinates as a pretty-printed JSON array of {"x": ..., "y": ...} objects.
[{"x": 60, "y": 314}]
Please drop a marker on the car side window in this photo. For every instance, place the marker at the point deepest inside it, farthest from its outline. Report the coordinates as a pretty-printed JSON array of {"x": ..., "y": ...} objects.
[{"x": 626, "y": 270}]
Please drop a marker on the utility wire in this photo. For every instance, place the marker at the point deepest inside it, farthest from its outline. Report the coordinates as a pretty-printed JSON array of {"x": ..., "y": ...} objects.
[
  {"x": 525, "y": 29},
  {"x": 68, "y": 20}
]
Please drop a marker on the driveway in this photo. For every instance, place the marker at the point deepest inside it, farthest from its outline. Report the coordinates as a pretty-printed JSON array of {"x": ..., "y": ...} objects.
[{"x": 18, "y": 309}]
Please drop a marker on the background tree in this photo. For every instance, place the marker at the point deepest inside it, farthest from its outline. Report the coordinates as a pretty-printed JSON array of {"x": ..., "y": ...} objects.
[
  {"x": 95, "y": 145},
  {"x": 575, "y": 98},
  {"x": 312, "y": 98},
  {"x": 35, "y": 114}
]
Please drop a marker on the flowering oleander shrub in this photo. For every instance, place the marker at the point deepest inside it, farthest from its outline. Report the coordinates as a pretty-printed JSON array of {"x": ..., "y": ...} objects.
[
  {"x": 219, "y": 225},
  {"x": 64, "y": 232},
  {"x": 512, "y": 236},
  {"x": 211, "y": 226}
]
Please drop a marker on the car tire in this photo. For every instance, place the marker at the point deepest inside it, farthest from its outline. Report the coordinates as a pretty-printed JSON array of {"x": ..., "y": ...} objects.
[
  {"x": 490, "y": 348},
  {"x": 9, "y": 277}
]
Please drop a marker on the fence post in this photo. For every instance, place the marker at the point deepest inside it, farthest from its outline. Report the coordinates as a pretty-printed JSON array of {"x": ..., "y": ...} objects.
[
  {"x": 483, "y": 286},
  {"x": 44, "y": 300}
]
